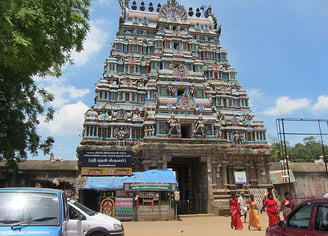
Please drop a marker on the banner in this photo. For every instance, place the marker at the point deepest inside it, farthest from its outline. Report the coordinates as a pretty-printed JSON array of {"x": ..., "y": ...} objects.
[
  {"x": 149, "y": 186},
  {"x": 123, "y": 208},
  {"x": 106, "y": 171}
]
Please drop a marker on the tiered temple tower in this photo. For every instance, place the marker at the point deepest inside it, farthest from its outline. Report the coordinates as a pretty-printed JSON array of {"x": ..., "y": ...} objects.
[{"x": 169, "y": 95}]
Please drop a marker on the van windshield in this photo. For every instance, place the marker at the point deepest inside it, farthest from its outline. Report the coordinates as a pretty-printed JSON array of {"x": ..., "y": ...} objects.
[{"x": 28, "y": 208}]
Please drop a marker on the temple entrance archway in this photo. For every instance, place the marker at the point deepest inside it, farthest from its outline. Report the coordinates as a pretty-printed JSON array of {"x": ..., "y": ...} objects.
[{"x": 191, "y": 174}]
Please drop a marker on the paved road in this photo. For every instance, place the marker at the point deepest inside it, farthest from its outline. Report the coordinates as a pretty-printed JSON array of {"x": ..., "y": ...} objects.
[{"x": 191, "y": 226}]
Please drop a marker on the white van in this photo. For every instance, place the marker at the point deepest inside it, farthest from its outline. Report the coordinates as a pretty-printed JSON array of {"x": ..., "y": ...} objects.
[{"x": 84, "y": 221}]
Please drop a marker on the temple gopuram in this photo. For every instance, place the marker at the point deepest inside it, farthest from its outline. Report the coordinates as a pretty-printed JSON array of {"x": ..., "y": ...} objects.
[{"x": 169, "y": 99}]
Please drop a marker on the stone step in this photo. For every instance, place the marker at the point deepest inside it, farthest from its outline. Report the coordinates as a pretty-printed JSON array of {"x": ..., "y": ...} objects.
[
  {"x": 225, "y": 191},
  {"x": 221, "y": 196},
  {"x": 196, "y": 215}
]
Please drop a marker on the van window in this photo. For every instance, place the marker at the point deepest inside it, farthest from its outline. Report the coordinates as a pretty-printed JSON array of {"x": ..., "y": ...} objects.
[
  {"x": 29, "y": 208},
  {"x": 74, "y": 214}
]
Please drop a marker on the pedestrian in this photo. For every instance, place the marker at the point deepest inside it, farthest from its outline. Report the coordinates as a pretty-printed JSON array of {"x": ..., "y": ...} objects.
[
  {"x": 254, "y": 217},
  {"x": 271, "y": 207},
  {"x": 243, "y": 205},
  {"x": 286, "y": 205},
  {"x": 235, "y": 212},
  {"x": 265, "y": 196}
]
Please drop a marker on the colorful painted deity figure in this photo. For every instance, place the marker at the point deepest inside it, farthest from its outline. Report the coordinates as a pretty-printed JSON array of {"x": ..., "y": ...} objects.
[
  {"x": 174, "y": 126},
  {"x": 121, "y": 135},
  {"x": 238, "y": 138},
  {"x": 171, "y": 90},
  {"x": 200, "y": 127}
]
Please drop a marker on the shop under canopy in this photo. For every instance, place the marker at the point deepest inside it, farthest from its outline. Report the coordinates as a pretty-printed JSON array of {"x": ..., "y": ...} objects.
[{"x": 150, "y": 180}]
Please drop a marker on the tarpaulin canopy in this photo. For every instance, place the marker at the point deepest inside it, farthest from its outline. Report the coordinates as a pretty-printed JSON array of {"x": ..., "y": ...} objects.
[{"x": 117, "y": 182}]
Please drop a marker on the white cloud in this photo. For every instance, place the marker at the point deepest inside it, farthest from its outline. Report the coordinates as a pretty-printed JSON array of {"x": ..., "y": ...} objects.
[
  {"x": 68, "y": 120},
  {"x": 69, "y": 108},
  {"x": 254, "y": 93},
  {"x": 65, "y": 94},
  {"x": 321, "y": 106},
  {"x": 62, "y": 91},
  {"x": 94, "y": 42},
  {"x": 287, "y": 106},
  {"x": 106, "y": 2}
]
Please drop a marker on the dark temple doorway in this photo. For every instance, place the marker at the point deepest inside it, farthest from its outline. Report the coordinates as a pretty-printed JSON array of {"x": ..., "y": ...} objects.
[
  {"x": 186, "y": 130},
  {"x": 191, "y": 175}
]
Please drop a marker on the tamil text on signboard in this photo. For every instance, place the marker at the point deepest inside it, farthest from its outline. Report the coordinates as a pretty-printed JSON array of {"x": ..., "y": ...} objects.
[{"x": 106, "y": 163}]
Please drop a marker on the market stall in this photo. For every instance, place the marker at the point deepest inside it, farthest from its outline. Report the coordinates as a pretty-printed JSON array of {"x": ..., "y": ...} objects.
[{"x": 147, "y": 195}]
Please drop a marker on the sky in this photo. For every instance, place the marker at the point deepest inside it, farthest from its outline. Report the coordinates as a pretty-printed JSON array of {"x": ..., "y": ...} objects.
[{"x": 278, "y": 47}]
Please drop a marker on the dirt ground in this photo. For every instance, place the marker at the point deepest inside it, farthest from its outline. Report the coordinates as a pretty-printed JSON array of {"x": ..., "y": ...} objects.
[{"x": 203, "y": 225}]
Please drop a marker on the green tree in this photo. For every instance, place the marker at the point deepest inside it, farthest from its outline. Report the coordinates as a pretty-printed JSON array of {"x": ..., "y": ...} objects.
[
  {"x": 36, "y": 39},
  {"x": 308, "y": 141},
  {"x": 307, "y": 151},
  {"x": 279, "y": 151}
]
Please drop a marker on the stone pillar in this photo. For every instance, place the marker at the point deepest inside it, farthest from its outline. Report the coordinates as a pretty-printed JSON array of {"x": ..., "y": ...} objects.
[
  {"x": 219, "y": 176},
  {"x": 214, "y": 173},
  {"x": 111, "y": 132},
  {"x": 164, "y": 161},
  {"x": 224, "y": 175},
  {"x": 230, "y": 174},
  {"x": 209, "y": 171},
  {"x": 106, "y": 132},
  {"x": 248, "y": 174},
  {"x": 253, "y": 176},
  {"x": 267, "y": 171},
  {"x": 210, "y": 181},
  {"x": 258, "y": 173}
]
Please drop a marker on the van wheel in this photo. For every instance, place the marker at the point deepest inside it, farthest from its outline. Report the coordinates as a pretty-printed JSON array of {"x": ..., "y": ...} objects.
[{"x": 98, "y": 234}]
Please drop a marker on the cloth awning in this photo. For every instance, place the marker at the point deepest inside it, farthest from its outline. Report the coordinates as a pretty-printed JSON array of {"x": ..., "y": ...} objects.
[{"x": 117, "y": 182}]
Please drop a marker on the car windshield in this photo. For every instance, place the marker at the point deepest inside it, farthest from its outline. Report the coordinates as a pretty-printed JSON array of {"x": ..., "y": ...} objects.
[
  {"x": 28, "y": 208},
  {"x": 84, "y": 208}
]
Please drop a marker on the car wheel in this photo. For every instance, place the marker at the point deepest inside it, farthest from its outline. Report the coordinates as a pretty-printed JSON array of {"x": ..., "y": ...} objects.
[{"x": 98, "y": 234}]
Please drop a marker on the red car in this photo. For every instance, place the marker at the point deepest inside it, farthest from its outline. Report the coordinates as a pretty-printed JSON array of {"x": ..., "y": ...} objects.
[{"x": 309, "y": 218}]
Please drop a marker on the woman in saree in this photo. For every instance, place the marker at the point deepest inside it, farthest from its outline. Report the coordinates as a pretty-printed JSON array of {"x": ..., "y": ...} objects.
[
  {"x": 235, "y": 212},
  {"x": 287, "y": 204},
  {"x": 271, "y": 207},
  {"x": 254, "y": 218}
]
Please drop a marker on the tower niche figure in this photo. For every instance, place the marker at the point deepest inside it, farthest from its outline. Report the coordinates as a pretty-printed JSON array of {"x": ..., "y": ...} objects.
[
  {"x": 174, "y": 126},
  {"x": 200, "y": 127}
]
